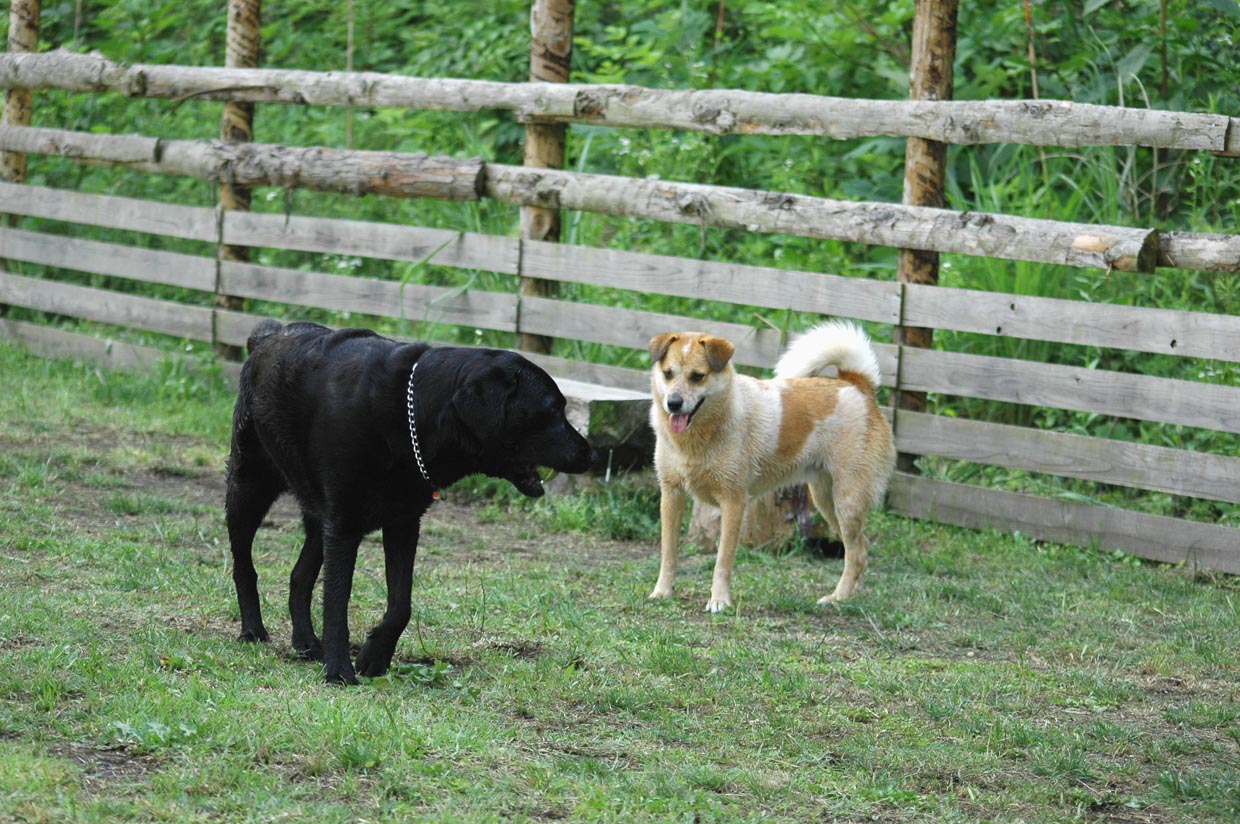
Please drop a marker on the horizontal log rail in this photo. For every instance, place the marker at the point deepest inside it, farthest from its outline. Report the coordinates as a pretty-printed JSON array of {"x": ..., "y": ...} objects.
[
  {"x": 415, "y": 175},
  {"x": 714, "y": 111},
  {"x": 395, "y": 174}
]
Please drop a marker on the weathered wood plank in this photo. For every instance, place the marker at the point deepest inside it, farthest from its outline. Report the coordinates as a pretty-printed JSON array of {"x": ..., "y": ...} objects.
[
  {"x": 104, "y": 306},
  {"x": 170, "y": 219},
  {"x": 1143, "y": 397},
  {"x": 885, "y": 224},
  {"x": 1158, "y": 538},
  {"x": 715, "y": 111},
  {"x": 634, "y": 328},
  {"x": 734, "y": 283},
  {"x": 1176, "y": 471},
  {"x": 636, "y": 380},
  {"x": 49, "y": 342},
  {"x": 387, "y": 241},
  {"x": 394, "y": 174},
  {"x": 131, "y": 262},
  {"x": 1160, "y": 331},
  {"x": 412, "y": 302}
]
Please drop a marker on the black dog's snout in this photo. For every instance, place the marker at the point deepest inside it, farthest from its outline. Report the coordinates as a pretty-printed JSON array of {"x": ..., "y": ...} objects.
[{"x": 675, "y": 403}]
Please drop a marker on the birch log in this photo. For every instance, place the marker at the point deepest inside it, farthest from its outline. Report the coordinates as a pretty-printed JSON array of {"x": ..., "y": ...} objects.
[
  {"x": 262, "y": 164},
  {"x": 715, "y": 111},
  {"x": 23, "y": 38},
  {"x": 881, "y": 224},
  {"x": 237, "y": 126}
]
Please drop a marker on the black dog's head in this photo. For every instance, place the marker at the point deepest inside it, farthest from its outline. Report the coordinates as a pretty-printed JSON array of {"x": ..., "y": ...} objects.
[{"x": 514, "y": 412}]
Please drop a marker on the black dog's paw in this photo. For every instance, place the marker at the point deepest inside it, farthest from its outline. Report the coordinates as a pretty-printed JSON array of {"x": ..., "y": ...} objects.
[
  {"x": 371, "y": 663},
  {"x": 343, "y": 676},
  {"x": 310, "y": 650},
  {"x": 251, "y": 636}
]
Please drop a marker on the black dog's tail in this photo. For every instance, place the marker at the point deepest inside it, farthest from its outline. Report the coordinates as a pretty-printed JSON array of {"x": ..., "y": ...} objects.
[{"x": 264, "y": 330}]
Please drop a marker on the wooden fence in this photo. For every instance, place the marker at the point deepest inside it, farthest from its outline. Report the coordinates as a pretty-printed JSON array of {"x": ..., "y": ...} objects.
[{"x": 1214, "y": 477}]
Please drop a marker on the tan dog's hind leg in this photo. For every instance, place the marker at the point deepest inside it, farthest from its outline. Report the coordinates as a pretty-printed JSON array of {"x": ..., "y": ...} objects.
[
  {"x": 731, "y": 513},
  {"x": 848, "y": 519},
  {"x": 671, "y": 513}
]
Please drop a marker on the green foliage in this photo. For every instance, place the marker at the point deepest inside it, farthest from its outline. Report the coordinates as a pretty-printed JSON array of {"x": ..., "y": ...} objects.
[{"x": 1085, "y": 51}]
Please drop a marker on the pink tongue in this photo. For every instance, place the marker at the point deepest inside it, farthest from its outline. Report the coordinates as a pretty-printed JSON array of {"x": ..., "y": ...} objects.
[{"x": 679, "y": 422}]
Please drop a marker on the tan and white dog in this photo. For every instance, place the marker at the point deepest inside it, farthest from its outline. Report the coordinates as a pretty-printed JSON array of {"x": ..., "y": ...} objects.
[{"x": 725, "y": 437}]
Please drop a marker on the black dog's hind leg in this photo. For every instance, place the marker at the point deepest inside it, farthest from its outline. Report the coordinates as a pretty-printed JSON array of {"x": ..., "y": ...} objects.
[
  {"x": 253, "y": 486},
  {"x": 339, "y": 559},
  {"x": 301, "y": 588},
  {"x": 400, "y": 547}
]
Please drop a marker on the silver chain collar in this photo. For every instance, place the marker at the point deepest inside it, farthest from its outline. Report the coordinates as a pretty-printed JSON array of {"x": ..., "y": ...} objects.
[{"x": 413, "y": 432}]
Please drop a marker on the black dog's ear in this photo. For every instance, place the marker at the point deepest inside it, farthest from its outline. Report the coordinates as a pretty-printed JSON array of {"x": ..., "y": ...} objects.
[
  {"x": 480, "y": 404},
  {"x": 660, "y": 344}
]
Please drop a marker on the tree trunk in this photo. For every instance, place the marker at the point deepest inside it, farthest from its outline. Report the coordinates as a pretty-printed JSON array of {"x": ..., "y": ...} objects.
[
  {"x": 925, "y": 166},
  {"x": 551, "y": 52}
]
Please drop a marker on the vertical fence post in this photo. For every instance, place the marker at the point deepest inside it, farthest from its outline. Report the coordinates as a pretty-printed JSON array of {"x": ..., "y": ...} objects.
[
  {"x": 925, "y": 166},
  {"x": 551, "y": 52},
  {"x": 237, "y": 125},
  {"x": 23, "y": 37}
]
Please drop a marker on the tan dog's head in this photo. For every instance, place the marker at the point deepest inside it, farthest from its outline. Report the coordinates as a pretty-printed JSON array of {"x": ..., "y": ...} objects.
[{"x": 689, "y": 367}]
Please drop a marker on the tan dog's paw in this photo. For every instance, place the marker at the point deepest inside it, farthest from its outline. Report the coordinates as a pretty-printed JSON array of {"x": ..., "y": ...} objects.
[
  {"x": 661, "y": 591},
  {"x": 718, "y": 603},
  {"x": 836, "y": 597}
]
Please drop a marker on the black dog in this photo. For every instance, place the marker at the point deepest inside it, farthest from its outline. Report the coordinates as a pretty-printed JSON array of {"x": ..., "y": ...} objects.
[{"x": 364, "y": 430}]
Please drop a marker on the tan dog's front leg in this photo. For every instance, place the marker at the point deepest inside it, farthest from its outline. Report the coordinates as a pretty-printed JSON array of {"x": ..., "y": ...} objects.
[
  {"x": 671, "y": 513},
  {"x": 731, "y": 513}
]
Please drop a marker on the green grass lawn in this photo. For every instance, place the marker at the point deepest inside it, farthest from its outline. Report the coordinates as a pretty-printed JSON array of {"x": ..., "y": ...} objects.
[{"x": 976, "y": 677}]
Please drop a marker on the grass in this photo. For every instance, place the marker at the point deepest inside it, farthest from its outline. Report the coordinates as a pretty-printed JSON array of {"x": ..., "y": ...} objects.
[{"x": 977, "y": 677}]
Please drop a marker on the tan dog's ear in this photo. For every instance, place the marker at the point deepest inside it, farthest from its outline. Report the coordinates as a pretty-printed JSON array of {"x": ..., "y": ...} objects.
[
  {"x": 660, "y": 344},
  {"x": 718, "y": 352}
]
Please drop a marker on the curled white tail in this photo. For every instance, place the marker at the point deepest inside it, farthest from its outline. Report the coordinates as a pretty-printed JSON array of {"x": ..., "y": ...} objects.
[{"x": 836, "y": 343}]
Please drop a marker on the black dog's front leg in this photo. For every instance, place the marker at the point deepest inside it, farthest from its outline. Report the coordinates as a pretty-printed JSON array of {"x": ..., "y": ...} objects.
[
  {"x": 339, "y": 559},
  {"x": 400, "y": 547}
]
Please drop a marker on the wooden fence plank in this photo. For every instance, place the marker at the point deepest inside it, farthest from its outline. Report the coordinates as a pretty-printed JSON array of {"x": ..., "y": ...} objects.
[
  {"x": 1160, "y": 331},
  {"x": 132, "y": 214},
  {"x": 1158, "y": 538},
  {"x": 130, "y": 262},
  {"x": 1177, "y": 471},
  {"x": 1144, "y": 397},
  {"x": 413, "y": 302},
  {"x": 884, "y": 224},
  {"x": 636, "y": 380},
  {"x": 106, "y": 306},
  {"x": 49, "y": 342},
  {"x": 715, "y": 111},
  {"x": 733, "y": 283},
  {"x": 437, "y": 247},
  {"x": 633, "y": 328}
]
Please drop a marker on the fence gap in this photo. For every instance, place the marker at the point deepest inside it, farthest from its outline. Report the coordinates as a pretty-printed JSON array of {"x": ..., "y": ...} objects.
[
  {"x": 237, "y": 126},
  {"x": 925, "y": 164},
  {"x": 551, "y": 53}
]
